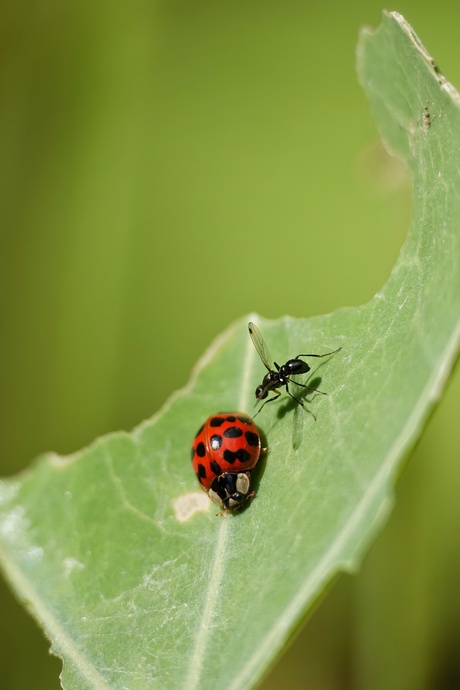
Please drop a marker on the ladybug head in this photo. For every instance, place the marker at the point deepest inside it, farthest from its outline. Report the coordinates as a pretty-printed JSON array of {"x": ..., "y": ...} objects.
[{"x": 231, "y": 490}]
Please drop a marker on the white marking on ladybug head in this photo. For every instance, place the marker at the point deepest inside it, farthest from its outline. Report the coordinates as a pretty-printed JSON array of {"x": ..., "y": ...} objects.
[
  {"x": 242, "y": 483},
  {"x": 215, "y": 497}
]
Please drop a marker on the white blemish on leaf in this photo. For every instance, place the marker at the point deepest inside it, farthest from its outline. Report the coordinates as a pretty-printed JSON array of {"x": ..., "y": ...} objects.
[
  {"x": 71, "y": 564},
  {"x": 187, "y": 505}
]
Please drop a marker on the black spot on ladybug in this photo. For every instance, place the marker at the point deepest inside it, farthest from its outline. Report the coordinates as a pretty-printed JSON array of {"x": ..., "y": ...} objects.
[
  {"x": 252, "y": 438},
  {"x": 244, "y": 420},
  {"x": 201, "y": 450},
  {"x": 201, "y": 471},
  {"x": 199, "y": 431},
  {"x": 216, "y": 468},
  {"x": 233, "y": 432},
  {"x": 216, "y": 421},
  {"x": 241, "y": 454},
  {"x": 230, "y": 456},
  {"x": 216, "y": 441},
  {"x": 230, "y": 418}
]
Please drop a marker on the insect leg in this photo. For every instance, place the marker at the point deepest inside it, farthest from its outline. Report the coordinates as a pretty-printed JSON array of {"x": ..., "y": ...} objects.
[
  {"x": 310, "y": 388},
  {"x": 275, "y": 397},
  {"x": 326, "y": 354},
  {"x": 300, "y": 402}
]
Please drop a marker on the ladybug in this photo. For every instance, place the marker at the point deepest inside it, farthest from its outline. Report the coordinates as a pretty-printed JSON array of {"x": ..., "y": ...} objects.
[
  {"x": 280, "y": 375},
  {"x": 224, "y": 451}
]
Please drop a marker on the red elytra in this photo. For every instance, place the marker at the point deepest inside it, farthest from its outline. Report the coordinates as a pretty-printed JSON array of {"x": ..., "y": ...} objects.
[{"x": 227, "y": 442}]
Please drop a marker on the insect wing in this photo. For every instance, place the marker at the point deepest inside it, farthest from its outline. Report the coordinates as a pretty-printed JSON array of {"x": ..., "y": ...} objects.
[{"x": 260, "y": 346}]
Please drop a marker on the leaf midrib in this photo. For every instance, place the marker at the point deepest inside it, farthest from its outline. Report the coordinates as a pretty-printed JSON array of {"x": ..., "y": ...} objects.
[{"x": 199, "y": 652}]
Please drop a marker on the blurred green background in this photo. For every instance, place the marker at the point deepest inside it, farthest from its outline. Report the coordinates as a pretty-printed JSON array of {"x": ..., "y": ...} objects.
[{"x": 165, "y": 168}]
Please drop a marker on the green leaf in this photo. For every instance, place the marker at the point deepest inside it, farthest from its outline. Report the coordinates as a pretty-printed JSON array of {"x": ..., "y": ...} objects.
[{"x": 118, "y": 553}]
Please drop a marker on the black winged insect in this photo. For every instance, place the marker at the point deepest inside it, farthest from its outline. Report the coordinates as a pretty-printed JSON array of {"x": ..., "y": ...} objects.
[{"x": 280, "y": 375}]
